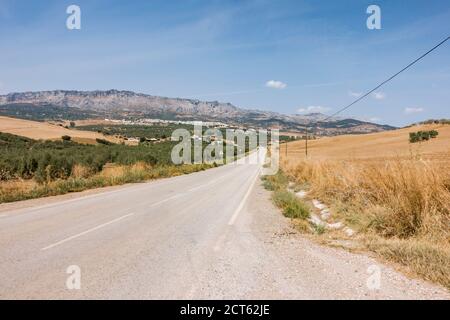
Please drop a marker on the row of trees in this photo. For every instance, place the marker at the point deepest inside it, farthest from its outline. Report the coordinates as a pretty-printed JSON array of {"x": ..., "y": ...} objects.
[
  {"x": 50, "y": 160},
  {"x": 422, "y": 136}
]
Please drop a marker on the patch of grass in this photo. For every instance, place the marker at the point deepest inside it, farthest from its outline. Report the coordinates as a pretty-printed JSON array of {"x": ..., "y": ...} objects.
[
  {"x": 319, "y": 228},
  {"x": 426, "y": 259},
  {"x": 291, "y": 206},
  {"x": 275, "y": 182}
]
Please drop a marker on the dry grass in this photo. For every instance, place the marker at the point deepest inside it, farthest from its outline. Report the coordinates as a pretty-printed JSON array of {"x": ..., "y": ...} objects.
[
  {"x": 398, "y": 199},
  {"x": 82, "y": 179},
  {"x": 46, "y": 131},
  {"x": 375, "y": 146}
]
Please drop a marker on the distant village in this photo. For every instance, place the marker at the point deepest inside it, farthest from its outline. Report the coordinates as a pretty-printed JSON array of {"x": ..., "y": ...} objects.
[{"x": 209, "y": 124}]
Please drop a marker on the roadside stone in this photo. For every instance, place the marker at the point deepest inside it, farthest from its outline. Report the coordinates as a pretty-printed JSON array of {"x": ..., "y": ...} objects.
[
  {"x": 301, "y": 194},
  {"x": 349, "y": 231},
  {"x": 325, "y": 214},
  {"x": 318, "y": 204},
  {"x": 314, "y": 219},
  {"x": 337, "y": 225}
]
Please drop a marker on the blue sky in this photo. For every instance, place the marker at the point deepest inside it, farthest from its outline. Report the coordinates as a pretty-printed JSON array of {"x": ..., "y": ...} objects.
[{"x": 318, "y": 54}]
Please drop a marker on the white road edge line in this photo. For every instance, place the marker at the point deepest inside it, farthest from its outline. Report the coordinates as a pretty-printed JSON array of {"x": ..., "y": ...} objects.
[
  {"x": 244, "y": 200},
  {"x": 86, "y": 232}
]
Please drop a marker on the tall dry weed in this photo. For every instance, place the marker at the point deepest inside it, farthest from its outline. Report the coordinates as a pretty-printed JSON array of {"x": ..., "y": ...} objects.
[{"x": 395, "y": 198}]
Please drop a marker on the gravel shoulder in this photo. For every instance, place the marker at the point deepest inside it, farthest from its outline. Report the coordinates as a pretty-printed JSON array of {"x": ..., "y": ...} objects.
[{"x": 314, "y": 271}]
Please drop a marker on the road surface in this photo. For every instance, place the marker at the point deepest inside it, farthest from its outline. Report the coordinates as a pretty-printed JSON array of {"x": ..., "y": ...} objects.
[{"x": 212, "y": 234}]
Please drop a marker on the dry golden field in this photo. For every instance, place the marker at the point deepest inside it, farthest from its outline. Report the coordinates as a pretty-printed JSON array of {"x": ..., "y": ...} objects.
[
  {"x": 46, "y": 131},
  {"x": 395, "y": 194},
  {"x": 389, "y": 144}
]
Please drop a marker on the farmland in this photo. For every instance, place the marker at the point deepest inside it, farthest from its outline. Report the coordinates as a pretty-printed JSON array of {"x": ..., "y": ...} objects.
[
  {"x": 31, "y": 168},
  {"x": 157, "y": 131},
  {"x": 46, "y": 131}
]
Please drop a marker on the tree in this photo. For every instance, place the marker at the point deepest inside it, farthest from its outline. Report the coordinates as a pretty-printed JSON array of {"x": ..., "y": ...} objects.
[
  {"x": 433, "y": 134},
  {"x": 422, "y": 136},
  {"x": 413, "y": 137},
  {"x": 66, "y": 138}
]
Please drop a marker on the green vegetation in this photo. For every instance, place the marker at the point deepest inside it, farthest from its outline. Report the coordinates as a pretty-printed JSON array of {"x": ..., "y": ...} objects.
[
  {"x": 31, "y": 168},
  {"x": 275, "y": 182},
  {"x": 51, "y": 160},
  {"x": 158, "y": 131},
  {"x": 291, "y": 206},
  {"x": 284, "y": 138},
  {"x": 319, "y": 228},
  {"x": 436, "y": 121},
  {"x": 103, "y": 141},
  {"x": 422, "y": 136}
]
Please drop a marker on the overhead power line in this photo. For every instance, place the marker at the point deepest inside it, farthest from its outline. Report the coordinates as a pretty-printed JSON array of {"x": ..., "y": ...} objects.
[{"x": 387, "y": 80}]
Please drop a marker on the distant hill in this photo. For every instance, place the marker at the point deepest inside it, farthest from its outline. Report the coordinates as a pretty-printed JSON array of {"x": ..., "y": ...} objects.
[{"x": 114, "y": 104}]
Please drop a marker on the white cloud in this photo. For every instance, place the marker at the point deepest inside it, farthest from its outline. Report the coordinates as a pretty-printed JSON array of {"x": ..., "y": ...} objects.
[
  {"x": 413, "y": 110},
  {"x": 354, "y": 94},
  {"x": 276, "y": 84},
  {"x": 379, "y": 95},
  {"x": 313, "y": 109},
  {"x": 374, "y": 119}
]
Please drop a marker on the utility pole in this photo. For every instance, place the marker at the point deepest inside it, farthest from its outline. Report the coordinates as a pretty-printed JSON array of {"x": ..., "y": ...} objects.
[{"x": 285, "y": 150}]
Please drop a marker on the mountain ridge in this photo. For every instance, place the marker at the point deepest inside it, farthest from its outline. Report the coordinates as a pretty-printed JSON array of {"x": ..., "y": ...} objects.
[{"x": 128, "y": 104}]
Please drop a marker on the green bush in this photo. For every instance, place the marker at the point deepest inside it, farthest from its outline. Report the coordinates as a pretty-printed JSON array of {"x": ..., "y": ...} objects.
[
  {"x": 291, "y": 206},
  {"x": 103, "y": 141},
  {"x": 422, "y": 136}
]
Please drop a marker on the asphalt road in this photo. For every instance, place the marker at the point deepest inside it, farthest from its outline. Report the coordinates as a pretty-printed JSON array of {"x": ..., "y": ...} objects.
[{"x": 212, "y": 234}]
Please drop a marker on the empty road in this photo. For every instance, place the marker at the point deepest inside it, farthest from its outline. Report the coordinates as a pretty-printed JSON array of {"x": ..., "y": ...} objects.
[{"x": 212, "y": 234}]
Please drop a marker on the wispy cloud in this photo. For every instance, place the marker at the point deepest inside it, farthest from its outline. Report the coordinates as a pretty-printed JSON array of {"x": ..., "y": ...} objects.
[
  {"x": 274, "y": 84},
  {"x": 354, "y": 94},
  {"x": 413, "y": 110},
  {"x": 313, "y": 109},
  {"x": 379, "y": 95}
]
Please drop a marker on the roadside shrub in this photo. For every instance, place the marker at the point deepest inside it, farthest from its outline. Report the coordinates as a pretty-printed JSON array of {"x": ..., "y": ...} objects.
[
  {"x": 275, "y": 182},
  {"x": 103, "y": 141},
  {"x": 291, "y": 206}
]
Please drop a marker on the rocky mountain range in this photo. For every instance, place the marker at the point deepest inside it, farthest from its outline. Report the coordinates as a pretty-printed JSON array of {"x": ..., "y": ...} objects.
[{"x": 117, "y": 104}]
